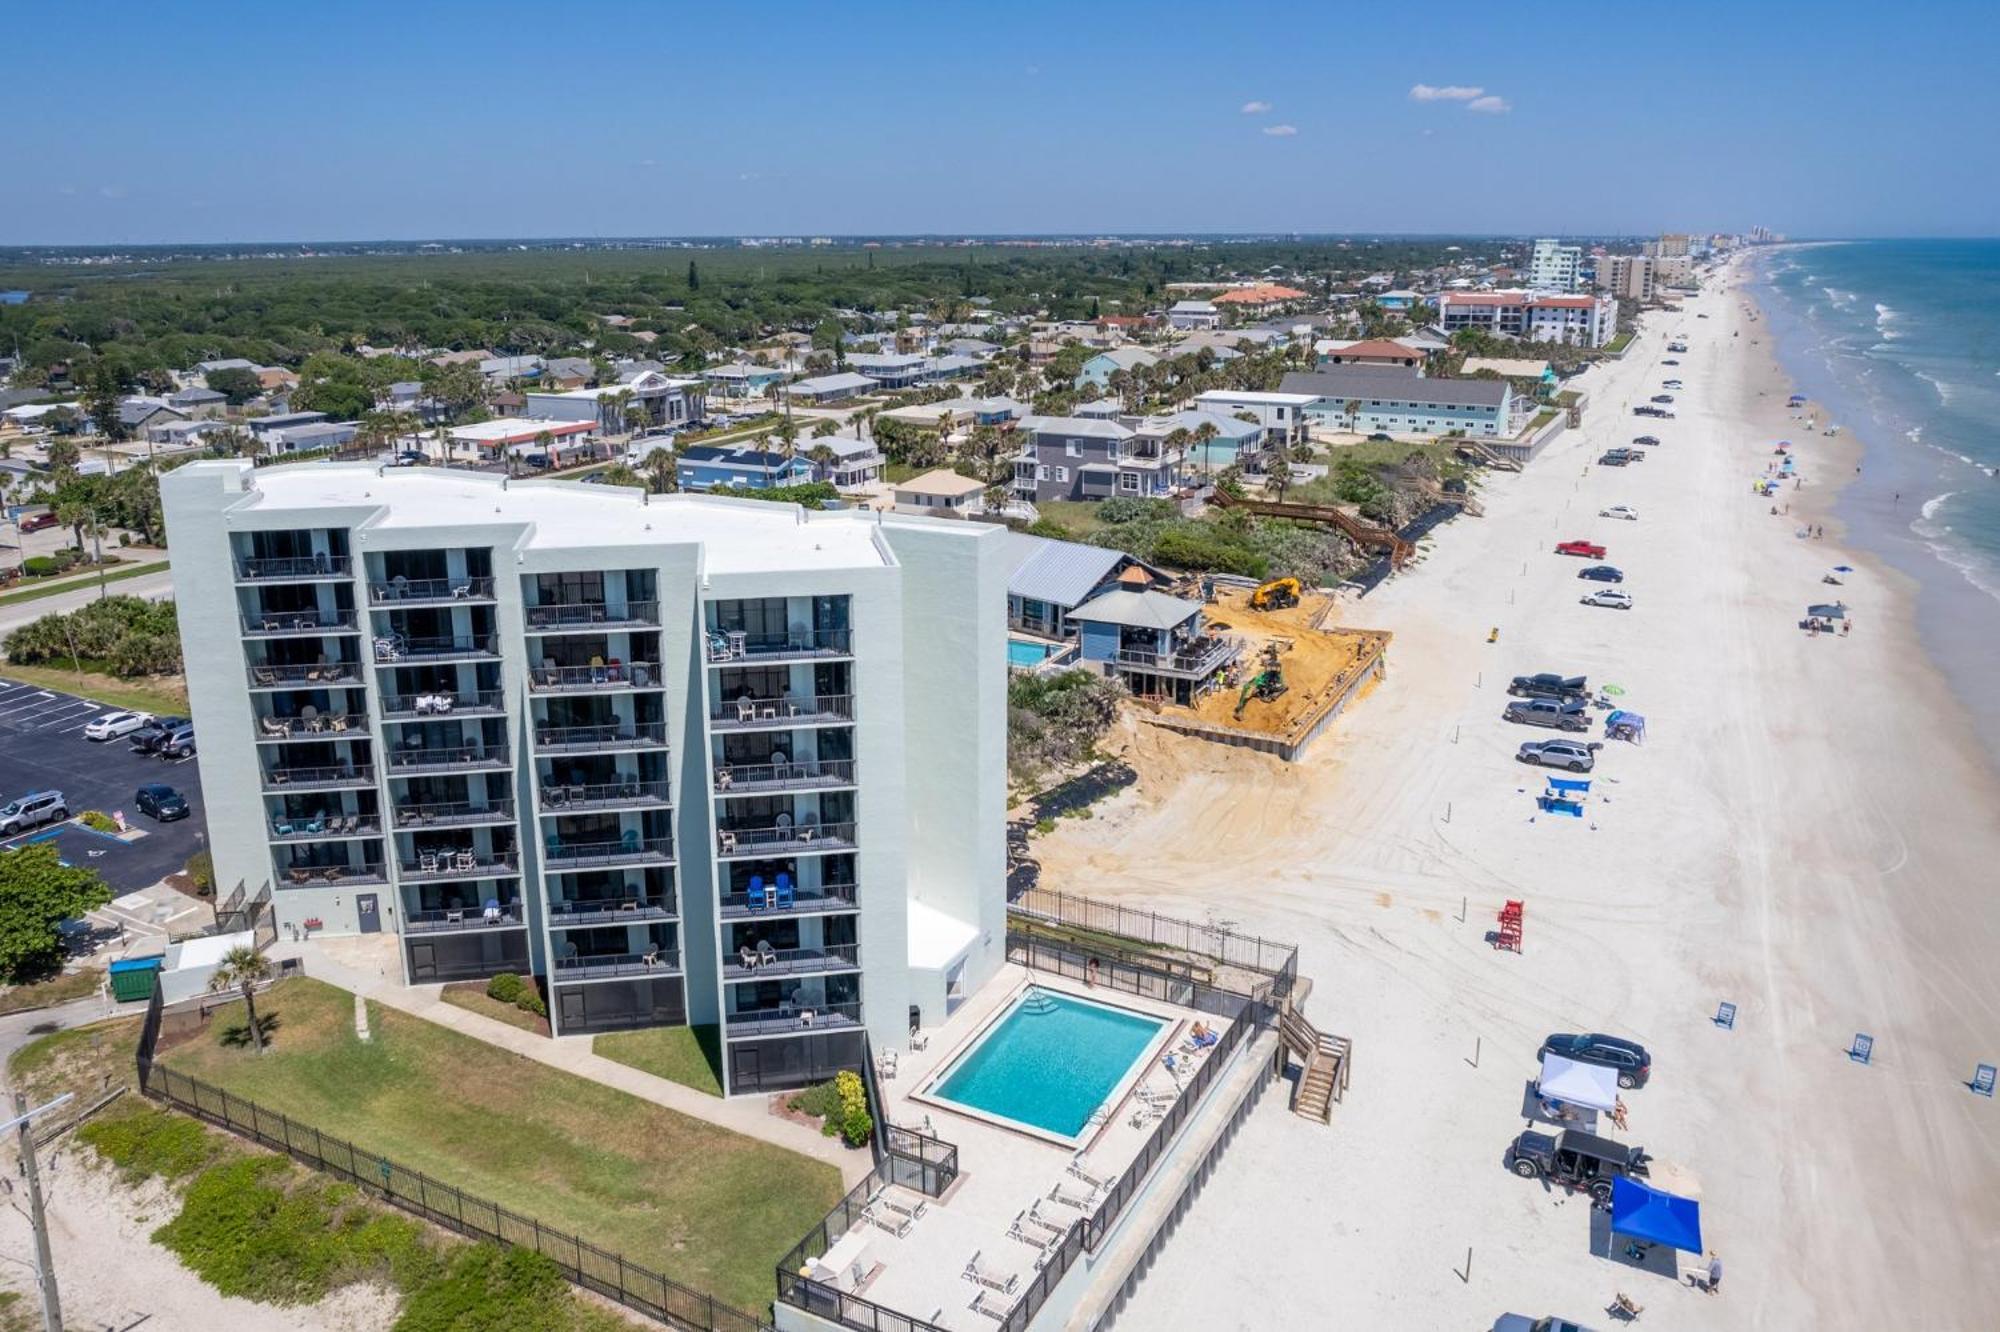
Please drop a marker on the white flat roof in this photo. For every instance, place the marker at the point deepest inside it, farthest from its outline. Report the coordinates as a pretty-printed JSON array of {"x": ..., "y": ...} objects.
[
  {"x": 741, "y": 536},
  {"x": 1274, "y": 399},
  {"x": 210, "y": 949},
  {"x": 516, "y": 429}
]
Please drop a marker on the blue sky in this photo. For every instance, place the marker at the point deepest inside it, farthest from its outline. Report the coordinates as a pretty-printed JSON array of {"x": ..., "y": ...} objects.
[{"x": 418, "y": 120}]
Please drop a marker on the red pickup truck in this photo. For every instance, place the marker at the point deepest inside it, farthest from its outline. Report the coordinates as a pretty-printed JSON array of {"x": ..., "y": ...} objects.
[{"x": 1590, "y": 550}]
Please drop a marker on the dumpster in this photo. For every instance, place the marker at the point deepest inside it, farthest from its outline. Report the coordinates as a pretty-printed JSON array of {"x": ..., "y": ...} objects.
[{"x": 132, "y": 978}]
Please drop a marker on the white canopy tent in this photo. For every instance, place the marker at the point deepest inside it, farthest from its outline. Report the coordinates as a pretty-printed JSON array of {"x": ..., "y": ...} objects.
[{"x": 1572, "y": 1083}]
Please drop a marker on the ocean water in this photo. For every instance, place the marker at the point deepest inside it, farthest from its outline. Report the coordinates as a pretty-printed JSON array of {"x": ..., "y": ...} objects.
[{"x": 1901, "y": 341}]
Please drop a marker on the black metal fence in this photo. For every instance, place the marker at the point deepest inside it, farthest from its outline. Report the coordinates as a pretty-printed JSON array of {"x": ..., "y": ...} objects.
[
  {"x": 919, "y": 1161},
  {"x": 798, "y": 1288},
  {"x": 583, "y": 1263}
]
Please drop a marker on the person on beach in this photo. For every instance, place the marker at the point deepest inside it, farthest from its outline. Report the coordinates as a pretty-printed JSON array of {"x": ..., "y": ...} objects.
[
  {"x": 1714, "y": 1272},
  {"x": 1618, "y": 1112}
]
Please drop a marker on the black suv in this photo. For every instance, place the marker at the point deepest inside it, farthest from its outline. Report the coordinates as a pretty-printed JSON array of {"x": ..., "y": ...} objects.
[
  {"x": 1548, "y": 684},
  {"x": 148, "y": 738},
  {"x": 1577, "y": 1160},
  {"x": 1634, "y": 1065}
]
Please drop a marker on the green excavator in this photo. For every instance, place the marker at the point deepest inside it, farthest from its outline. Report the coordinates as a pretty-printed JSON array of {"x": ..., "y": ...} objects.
[{"x": 1266, "y": 684}]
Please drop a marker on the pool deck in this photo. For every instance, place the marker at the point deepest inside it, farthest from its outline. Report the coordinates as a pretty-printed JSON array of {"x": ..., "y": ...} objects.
[{"x": 1001, "y": 1171}]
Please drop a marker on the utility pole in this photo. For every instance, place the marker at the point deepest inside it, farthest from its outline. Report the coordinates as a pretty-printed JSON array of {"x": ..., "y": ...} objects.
[{"x": 45, "y": 1266}]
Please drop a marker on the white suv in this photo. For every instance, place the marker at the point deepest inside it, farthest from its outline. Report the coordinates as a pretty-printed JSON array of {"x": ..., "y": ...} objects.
[{"x": 32, "y": 811}]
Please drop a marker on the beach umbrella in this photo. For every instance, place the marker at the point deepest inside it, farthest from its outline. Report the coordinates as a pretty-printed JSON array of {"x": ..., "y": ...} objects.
[
  {"x": 1612, "y": 691},
  {"x": 1655, "y": 1216},
  {"x": 1843, "y": 568}
]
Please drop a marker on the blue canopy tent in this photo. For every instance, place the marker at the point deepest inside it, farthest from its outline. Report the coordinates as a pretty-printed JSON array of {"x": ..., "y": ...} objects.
[
  {"x": 1564, "y": 796},
  {"x": 1622, "y": 724},
  {"x": 1653, "y": 1216}
]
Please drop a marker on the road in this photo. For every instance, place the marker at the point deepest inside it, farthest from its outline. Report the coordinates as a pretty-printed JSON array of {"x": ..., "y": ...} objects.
[{"x": 153, "y": 587}]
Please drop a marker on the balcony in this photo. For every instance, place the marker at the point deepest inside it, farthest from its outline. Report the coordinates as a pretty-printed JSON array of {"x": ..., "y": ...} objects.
[
  {"x": 656, "y": 962},
  {"x": 633, "y": 794},
  {"x": 429, "y": 591},
  {"x": 292, "y": 677},
  {"x": 394, "y": 649},
  {"x": 506, "y": 916},
  {"x": 303, "y": 569},
  {"x": 444, "y": 703},
  {"x": 324, "y": 827},
  {"x": 453, "y": 758},
  {"x": 587, "y": 616},
  {"x": 632, "y": 849},
  {"x": 783, "y": 714},
  {"x": 441, "y": 866},
  {"x": 787, "y": 1018},
  {"x": 352, "y": 775},
  {"x": 332, "y": 876},
  {"x": 611, "y": 677},
  {"x": 594, "y": 911},
  {"x": 297, "y": 625},
  {"x": 762, "y": 963},
  {"x": 460, "y": 815},
  {"x": 807, "y": 837},
  {"x": 613, "y": 737},
  {"x": 804, "y": 775},
  {"x": 773, "y": 900},
  {"x": 1196, "y": 659},
  {"x": 316, "y": 726},
  {"x": 734, "y": 647}
]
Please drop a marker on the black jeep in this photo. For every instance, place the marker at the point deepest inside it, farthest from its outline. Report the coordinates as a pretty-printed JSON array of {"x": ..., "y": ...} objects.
[{"x": 1576, "y": 1160}]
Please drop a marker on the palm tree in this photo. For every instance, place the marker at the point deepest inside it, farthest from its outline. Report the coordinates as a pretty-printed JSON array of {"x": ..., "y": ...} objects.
[
  {"x": 1203, "y": 433},
  {"x": 663, "y": 475},
  {"x": 788, "y": 442},
  {"x": 241, "y": 968},
  {"x": 73, "y": 514},
  {"x": 1352, "y": 408},
  {"x": 823, "y": 457}
]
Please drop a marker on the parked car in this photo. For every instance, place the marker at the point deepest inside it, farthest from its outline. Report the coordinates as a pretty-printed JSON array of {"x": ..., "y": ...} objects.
[
  {"x": 35, "y": 522},
  {"x": 1548, "y": 684},
  {"x": 146, "y": 740},
  {"x": 1634, "y": 1065},
  {"x": 178, "y": 743},
  {"x": 1589, "y": 550},
  {"x": 114, "y": 724},
  {"x": 1555, "y": 714},
  {"x": 409, "y": 458},
  {"x": 1669, "y": 362},
  {"x": 1576, "y": 755},
  {"x": 1663, "y": 398},
  {"x": 1643, "y": 410},
  {"x": 1674, "y": 384},
  {"x": 1577, "y": 1160},
  {"x": 1514, "y": 1322},
  {"x": 161, "y": 801},
  {"x": 1613, "y": 458},
  {"x": 1646, "y": 439},
  {"x": 1601, "y": 573},
  {"x": 1615, "y": 598},
  {"x": 32, "y": 811},
  {"x": 1624, "y": 511}
]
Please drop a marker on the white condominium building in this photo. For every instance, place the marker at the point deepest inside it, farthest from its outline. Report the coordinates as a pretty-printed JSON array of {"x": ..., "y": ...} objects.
[
  {"x": 1580, "y": 321},
  {"x": 1553, "y": 266},
  {"x": 685, "y": 760}
]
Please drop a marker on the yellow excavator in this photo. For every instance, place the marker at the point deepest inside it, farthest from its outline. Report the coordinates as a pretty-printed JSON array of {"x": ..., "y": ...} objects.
[
  {"x": 1276, "y": 595},
  {"x": 1266, "y": 684}
]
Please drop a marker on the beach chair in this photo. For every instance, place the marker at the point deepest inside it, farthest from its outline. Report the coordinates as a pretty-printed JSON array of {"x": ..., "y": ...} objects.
[
  {"x": 980, "y": 1274},
  {"x": 892, "y": 1200},
  {"x": 756, "y": 892},
  {"x": 985, "y": 1302},
  {"x": 766, "y": 956},
  {"x": 785, "y": 897},
  {"x": 1070, "y": 1197},
  {"x": 1078, "y": 1169},
  {"x": 898, "y": 1226}
]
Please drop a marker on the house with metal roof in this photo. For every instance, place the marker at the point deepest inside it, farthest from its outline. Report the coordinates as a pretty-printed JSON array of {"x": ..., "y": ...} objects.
[
  {"x": 1157, "y": 644},
  {"x": 1048, "y": 579},
  {"x": 709, "y": 466},
  {"x": 1194, "y": 314},
  {"x": 1099, "y": 368},
  {"x": 1229, "y": 441},
  {"x": 830, "y": 388},
  {"x": 139, "y": 413},
  {"x": 1397, "y": 401},
  {"x": 890, "y": 369}
]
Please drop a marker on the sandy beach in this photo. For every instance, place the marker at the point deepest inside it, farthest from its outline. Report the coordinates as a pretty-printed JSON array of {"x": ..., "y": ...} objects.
[{"x": 1808, "y": 833}]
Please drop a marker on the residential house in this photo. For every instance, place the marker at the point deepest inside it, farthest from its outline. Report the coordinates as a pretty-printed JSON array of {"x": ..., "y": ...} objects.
[
  {"x": 264, "y": 426},
  {"x": 742, "y": 380},
  {"x": 206, "y": 368},
  {"x": 542, "y": 442},
  {"x": 1077, "y": 458},
  {"x": 1233, "y": 442},
  {"x": 1099, "y": 368},
  {"x": 1194, "y": 314},
  {"x": 568, "y": 372},
  {"x": 940, "y": 368},
  {"x": 941, "y": 494},
  {"x": 178, "y": 433},
  {"x": 1375, "y": 351},
  {"x": 276, "y": 379},
  {"x": 664, "y": 403},
  {"x": 1048, "y": 579},
  {"x": 139, "y": 413},
  {"x": 1400, "y": 402},
  {"x": 1281, "y": 414},
  {"x": 893, "y": 370},
  {"x": 856, "y": 462},
  {"x": 507, "y": 369},
  {"x": 1157, "y": 644},
  {"x": 1259, "y": 297},
  {"x": 830, "y": 388},
  {"x": 310, "y": 436},
  {"x": 1103, "y": 409},
  {"x": 977, "y": 348},
  {"x": 199, "y": 402},
  {"x": 713, "y": 466},
  {"x": 507, "y": 402}
]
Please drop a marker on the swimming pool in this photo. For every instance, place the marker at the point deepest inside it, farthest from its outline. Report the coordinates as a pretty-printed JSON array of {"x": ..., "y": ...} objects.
[
  {"x": 1024, "y": 654},
  {"x": 1048, "y": 1063}
]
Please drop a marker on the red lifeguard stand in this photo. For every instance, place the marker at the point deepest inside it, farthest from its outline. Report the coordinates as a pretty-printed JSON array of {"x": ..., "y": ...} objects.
[{"x": 1509, "y": 934}]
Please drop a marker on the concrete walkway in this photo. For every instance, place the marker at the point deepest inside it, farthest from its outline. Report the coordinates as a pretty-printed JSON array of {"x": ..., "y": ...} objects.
[{"x": 352, "y": 965}]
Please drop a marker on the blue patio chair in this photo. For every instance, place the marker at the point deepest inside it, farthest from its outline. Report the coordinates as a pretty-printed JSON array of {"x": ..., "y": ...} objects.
[
  {"x": 756, "y": 893},
  {"x": 785, "y": 898},
  {"x": 555, "y": 847},
  {"x": 630, "y": 841},
  {"x": 282, "y": 827},
  {"x": 317, "y": 824}
]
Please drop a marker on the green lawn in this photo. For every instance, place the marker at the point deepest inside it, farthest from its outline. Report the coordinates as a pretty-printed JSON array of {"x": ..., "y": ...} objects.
[
  {"x": 1617, "y": 344},
  {"x": 472, "y": 996},
  {"x": 74, "y": 584},
  {"x": 165, "y": 696},
  {"x": 708, "y": 1207},
  {"x": 59, "y": 989},
  {"x": 1079, "y": 516},
  {"x": 691, "y": 1056}
]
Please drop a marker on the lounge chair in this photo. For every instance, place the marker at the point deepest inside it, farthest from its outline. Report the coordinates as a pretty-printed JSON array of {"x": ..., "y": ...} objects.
[
  {"x": 1031, "y": 1229},
  {"x": 746, "y": 958},
  {"x": 271, "y": 725},
  {"x": 1070, "y": 1197},
  {"x": 889, "y": 1198},
  {"x": 984, "y": 1302},
  {"x": 756, "y": 893},
  {"x": 1622, "y": 1306},
  {"x": 898, "y": 1226},
  {"x": 1079, "y": 1170},
  {"x": 980, "y": 1274},
  {"x": 766, "y": 956},
  {"x": 727, "y": 840},
  {"x": 785, "y": 897}
]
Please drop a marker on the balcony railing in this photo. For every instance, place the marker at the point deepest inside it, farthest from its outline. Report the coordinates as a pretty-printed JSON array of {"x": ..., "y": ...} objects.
[
  {"x": 807, "y": 774},
  {"x": 609, "y": 911},
  {"x": 631, "y": 850},
  {"x": 316, "y": 727},
  {"x": 1196, "y": 659},
  {"x": 615, "y": 735},
  {"x": 391, "y": 648},
  {"x": 585, "y": 679},
  {"x": 791, "y": 1017},
  {"x": 291, "y": 677},
  {"x": 436, "y": 865},
  {"x": 319, "y": 779},
  {"x": 453, "y": 815},
  {"x": 659, "y": 961},
  {"x": 299, "y": 876},
  {"x": 293, "y": 569},
  {"x": 754, "y": 964},
  {"x": 321, "y": 827},
  {"x": 729, "y": 645},
  {"x": 764, "y": 841},
  {"x": 772, "y": 901},
  {"x": 507, "y": 915},
  {"x": 292, "y": 623},
  {"x": 439, "y": 759},
  {"x": 593, "y": 615},
  {"x": 767, "y": 714},
  {"x": 560, "y": 798},
  {"x": 444, "y": 703},
  {"x": 405, "y": 590}
]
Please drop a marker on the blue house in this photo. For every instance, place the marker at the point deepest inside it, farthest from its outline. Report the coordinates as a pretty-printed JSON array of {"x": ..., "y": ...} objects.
[
  {"x": 1234, "y": 439},
  {"x": 1155, "y": 643},
  {"x": 706, "y": 467},
  {"x": 1098, "y": 369}
]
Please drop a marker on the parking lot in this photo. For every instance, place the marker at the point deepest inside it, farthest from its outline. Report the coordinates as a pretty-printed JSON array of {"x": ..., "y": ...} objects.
[{"x": 42, "y": 747}]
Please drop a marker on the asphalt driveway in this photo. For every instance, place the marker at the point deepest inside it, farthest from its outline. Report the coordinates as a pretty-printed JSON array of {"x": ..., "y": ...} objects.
[{"x": 42, "y": 747}]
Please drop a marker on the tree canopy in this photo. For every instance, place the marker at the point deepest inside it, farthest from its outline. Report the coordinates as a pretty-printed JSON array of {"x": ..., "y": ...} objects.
[{"x": 37, "y": 894}]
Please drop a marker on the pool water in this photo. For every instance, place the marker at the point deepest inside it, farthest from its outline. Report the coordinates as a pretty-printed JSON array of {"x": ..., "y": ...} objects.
[
  {"x": 1024, "y": 655},
  {"x": 1050, "y": 1062}
]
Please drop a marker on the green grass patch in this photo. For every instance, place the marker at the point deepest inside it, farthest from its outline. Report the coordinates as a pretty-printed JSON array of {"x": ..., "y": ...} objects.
[
  {"x": 1618, "y": 344},
  {"x": 166, "y": 695},
  {"x": 691, "y": 1056},
  {"x": 145, "y": 1142},
  {"x": 708, "y": 1207},
  {"x": 472, "y": 996},
  {"x": 18, "y": 1313},
  {"x": 78, "y": 583},
  {"x": 56, "y": 990},
  {"x": 1078, "y": 516}
]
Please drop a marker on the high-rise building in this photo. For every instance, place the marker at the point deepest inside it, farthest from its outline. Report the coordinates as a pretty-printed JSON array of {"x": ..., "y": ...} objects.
[
  {"x": 1553, "y": 266},
  {"x": 1626, "y": 276},
  {"x": 685, "y": 760}
]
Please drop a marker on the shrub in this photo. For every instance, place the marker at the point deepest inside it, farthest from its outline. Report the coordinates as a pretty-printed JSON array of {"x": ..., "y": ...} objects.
[
  {"x": 484, "y": 1287},
  {"x": 40, "y": 566},
  {"x": 821, "y": 1101},
  {"x": 98, "y": 821},
  {"x": 201, "y": 868},
  {"x": 530, "y": 1001},
  {"x": 506, "y": 987},
  {"x": 855, "y": 1124},
  {"x": 146, "y": 1142}
]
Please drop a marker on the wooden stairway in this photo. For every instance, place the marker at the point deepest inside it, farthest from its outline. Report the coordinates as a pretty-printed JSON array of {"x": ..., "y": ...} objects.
[
  {"x": 1327, "y": 1060},
  {"x": 1478, "y": 452},
  {"x": 1363, "y": 534}
]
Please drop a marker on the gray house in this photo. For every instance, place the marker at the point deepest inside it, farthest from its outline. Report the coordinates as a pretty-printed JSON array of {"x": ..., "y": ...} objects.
[{"x": 1072, "y": 458}]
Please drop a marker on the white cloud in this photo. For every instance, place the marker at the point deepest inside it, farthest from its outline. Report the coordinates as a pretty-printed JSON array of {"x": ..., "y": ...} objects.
[
  {"x": 1281, "y": 131},
  {"x": 1490, "y": 106},
  {"x": 1425, "y": 92},
  {"x": 1255, "y": 108}
]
